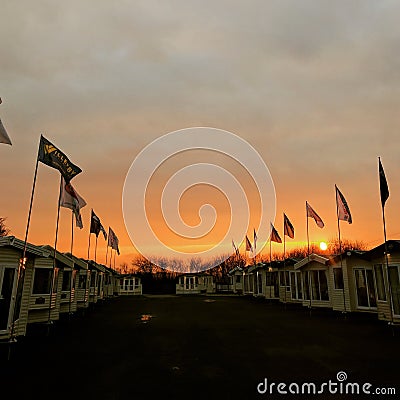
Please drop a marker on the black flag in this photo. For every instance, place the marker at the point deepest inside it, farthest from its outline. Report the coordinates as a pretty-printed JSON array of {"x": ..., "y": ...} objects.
[
  {"x": 55, "y": 158},
  {"x": 96, "y": 226},
  {"x": 288, "y": 227},
  {"x": 383, "y": 184}
]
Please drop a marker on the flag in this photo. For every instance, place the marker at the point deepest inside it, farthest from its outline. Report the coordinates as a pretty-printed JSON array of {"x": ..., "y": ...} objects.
[
  {"x": 71, "y": 199},
  {"x": 275, "y": 235},
  {"x": 113, "y": 240},
  {"x": 342, "y": 207},
  {"x": 55, "y": 158},
  {"x": 4, "y": 138},
  {"x": 96, "y": 226},
  {"x": 236, "y": 250},
  {"x": 311, "y": 213},
  {"x": 288, "y": 229},
  {"x": 383, "y": 184},
  {"x": 249, "y": 247},
  {"x": 255, "y": 239}
]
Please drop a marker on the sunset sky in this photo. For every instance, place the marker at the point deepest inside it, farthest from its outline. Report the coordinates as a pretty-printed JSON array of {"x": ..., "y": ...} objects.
[{"x": 313, "y": 86}]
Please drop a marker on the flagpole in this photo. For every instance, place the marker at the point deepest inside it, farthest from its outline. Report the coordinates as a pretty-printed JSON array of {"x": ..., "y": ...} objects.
[
  {"x": 284, "y": 257},
  {"x": 387, "y": 267},
  {"x": 30, "y": 206},
  {"x": 21, "y": 264},
  {"x": 308, "y": 237},
  {"x": 308, "y": 255},
  {"x": 340, "y": 250},
  {"x": 95, "y": 250},
  {"x": 88, "y": 251},
  {"x": 115, "y": 251},
  {"x": 384, "y": 192},
  {"x": 106, "y": 253},
  {"x": 255, "y": 247},
  {"x": 55, "y": 255},
  {"x": 72, "y": 260},
  {"x": 270, "y": 246}
]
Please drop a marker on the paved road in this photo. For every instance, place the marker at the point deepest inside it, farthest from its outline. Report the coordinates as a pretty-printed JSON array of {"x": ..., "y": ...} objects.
[{"x": 214, "y": 347}]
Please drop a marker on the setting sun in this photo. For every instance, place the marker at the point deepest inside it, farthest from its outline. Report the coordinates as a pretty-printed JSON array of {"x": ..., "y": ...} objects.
[{"x": 323, "y": 246}]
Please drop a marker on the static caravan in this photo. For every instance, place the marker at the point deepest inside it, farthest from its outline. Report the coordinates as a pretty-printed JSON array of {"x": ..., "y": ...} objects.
[
  {"x": 350, "y": 275},
  {"x": 290, "y": 282},
  {"x": 315, "y": 287},
  {"x": 116, "y": 284},
  {"x": 258, "y": 273},
  {"x": 271, "y": 280},
  {"x": 248, "y": 280},
  {"x": 46, "y": 289},
  {"x": 96, "y": 286},
  {"x": 195, "y": 284},
  {"x": 236, "y": 274},
  {"x": 130, "y": 284},
  {"x": 110, "y": 280},
  {"x": 13, "y": 305},
  {"x": 80, "y": 282},
  {"x": 382, "y": 285}
]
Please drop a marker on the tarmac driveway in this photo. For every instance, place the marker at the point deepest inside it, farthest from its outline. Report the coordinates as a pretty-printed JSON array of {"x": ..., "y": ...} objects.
[{"x": 198, "y": 347}]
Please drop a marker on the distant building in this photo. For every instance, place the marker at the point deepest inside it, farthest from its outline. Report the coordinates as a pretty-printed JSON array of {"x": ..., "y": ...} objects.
[
  {"x": 195, "y": 283},
  {"x": 130, "y": 284}
]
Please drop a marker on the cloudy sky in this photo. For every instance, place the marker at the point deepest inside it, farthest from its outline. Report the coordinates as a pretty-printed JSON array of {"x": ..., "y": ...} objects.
[{"x": 313, "y": 86}]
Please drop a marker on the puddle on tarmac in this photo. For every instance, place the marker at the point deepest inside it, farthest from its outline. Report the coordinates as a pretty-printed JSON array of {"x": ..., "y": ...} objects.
[
  {"x": 209, "y": 301},
  {"x": 146, "y": 318}
]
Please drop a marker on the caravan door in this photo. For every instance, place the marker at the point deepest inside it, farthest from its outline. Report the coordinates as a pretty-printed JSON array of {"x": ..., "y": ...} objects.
[{"x": 7, "y": 288}]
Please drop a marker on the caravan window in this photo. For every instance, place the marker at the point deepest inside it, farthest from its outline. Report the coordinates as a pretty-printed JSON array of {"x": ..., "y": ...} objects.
[
  {"x": 380, "y": 283},
  {"x": 319, "y": 285},
  {"x": 66, "y": 283},
  {"x": 42, "y": 281},
  {"x": 82, "y": 282},
  {"x": 338, "y": 278}
]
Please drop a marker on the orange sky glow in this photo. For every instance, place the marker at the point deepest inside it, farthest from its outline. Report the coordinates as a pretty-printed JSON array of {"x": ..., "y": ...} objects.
[{"x": 318, "y": 100}]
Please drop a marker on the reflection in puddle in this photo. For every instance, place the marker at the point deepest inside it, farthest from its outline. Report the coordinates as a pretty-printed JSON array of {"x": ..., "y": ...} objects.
[
  {"x": 209, "y": 301},
  {"x": 146, "y": 318}
]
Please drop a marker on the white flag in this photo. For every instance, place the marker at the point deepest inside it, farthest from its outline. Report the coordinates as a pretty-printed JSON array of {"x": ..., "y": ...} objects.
[
  {"x": 4, "y": 138},
  {"x": 311, "y": 213},
  {"x": 343, "y": 209},
  {"x": 71, "y": 199}
]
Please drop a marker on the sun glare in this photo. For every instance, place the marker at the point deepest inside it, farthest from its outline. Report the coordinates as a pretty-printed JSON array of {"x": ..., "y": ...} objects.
[{"x": 323, "y": 246}]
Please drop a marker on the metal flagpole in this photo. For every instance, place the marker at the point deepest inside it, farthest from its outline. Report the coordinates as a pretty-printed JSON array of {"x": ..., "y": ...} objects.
[
  {"x": 255, "y": 248},
  {"x": 88, "y": 250},
  {"x": 384, "y": 197},
  {"x": 387, "y": 269},
  {"x": 55, "y": 255},
  {"x": 106, "y": 253},
  {"x": 72, "y": 262},
  {"x": 284, "y": 257},
  {"x": 22, "y": 263},
  {"x": 308, "y": 254},
  {"x": 270, "y": 263},
  {"x": 340, "y": 250},
  {"x": 115, "y": 251},
  {"x": 95, "y": 249},
  {"x": 111, "y": 252}
]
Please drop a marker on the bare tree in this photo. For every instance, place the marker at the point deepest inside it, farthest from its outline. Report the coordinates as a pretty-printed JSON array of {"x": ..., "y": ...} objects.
[
  {"x": 123, "y": 268},
  {"x": 346, "y": 244},
  {"x": 142, "y": 265},
  {"x": 4, "y": 231}
]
